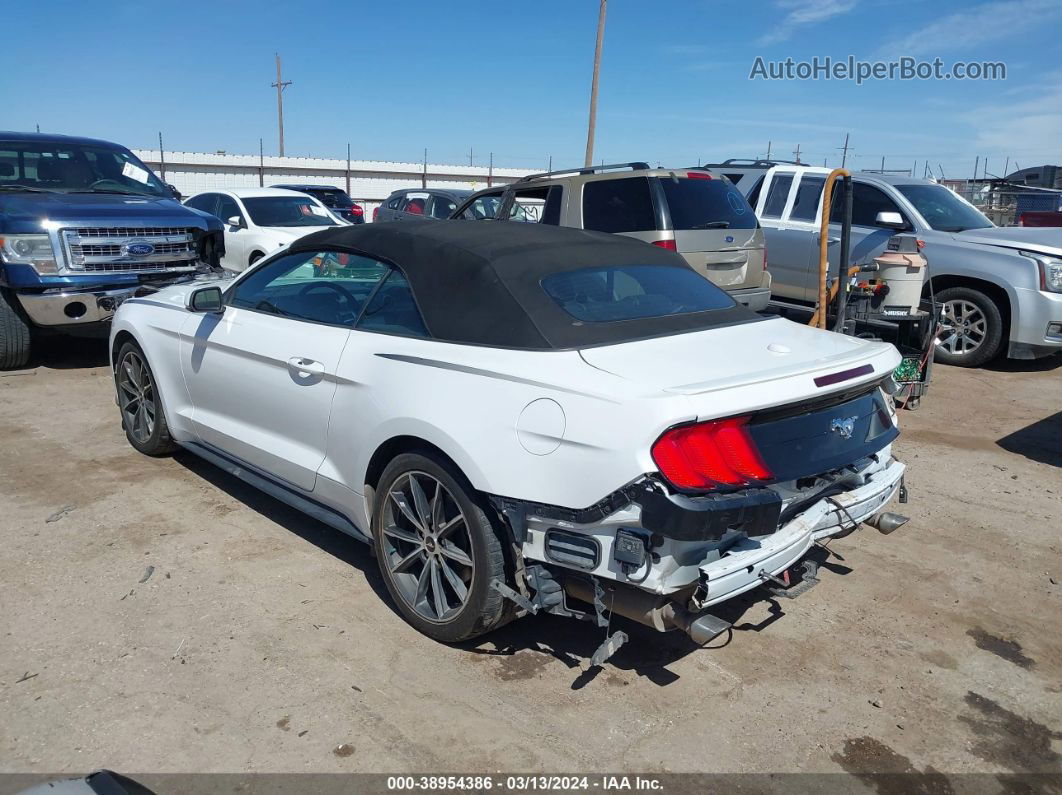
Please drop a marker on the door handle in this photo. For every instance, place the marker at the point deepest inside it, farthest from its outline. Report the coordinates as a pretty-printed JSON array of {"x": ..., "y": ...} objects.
[{"x": 308, "y": 366}]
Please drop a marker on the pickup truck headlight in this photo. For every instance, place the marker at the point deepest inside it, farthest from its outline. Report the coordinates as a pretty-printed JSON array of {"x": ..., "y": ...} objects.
[
  {"x": 1050, "y": 271},
  {"x": 33, "y": 250}
]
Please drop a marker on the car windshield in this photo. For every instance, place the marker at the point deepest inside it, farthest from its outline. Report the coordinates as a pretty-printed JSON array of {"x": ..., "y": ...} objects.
[
  {"x": 629, "y": 292},
  {"x": 706, "y": 204},
  {"x": 942, "y": 209},
  {"x": 287, "y": 211},
  {"x": 59, "y": 167}
]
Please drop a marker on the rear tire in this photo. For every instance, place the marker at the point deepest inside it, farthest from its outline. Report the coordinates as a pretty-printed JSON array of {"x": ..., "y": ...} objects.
[
  {"x": 254, "y": 258},
  {"x": 972, "y": 328},
  {"x": 140, "y": 403},
  {"x": 14, "y": 333},
  {"x": 437, "y": 549}
]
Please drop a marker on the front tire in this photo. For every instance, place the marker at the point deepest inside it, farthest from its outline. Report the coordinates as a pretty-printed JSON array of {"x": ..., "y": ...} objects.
[
  {"x": 437, "y": 549},
  {"x": 14, "y": 333},
  {"x": 140, "y": 403},
  {"x": 971, "y": 328}
]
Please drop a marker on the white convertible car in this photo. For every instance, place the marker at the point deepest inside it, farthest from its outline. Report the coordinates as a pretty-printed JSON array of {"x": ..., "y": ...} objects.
[{"x": 521, "y": 418}]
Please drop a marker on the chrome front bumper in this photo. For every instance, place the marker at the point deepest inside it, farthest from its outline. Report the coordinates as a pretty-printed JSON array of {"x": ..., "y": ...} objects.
[{"x": 68, "y": 307}]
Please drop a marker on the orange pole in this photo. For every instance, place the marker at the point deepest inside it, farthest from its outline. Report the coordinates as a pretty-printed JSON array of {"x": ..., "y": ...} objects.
[{"x": 819, "y": 318}]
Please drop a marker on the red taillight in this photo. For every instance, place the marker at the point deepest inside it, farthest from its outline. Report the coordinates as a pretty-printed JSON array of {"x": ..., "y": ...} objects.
[
  {"x": 668, "y": 244},
  {"x": 698, "y": 175},
  {"x": 375, "y": 213},
  {"x": 709, "y": 455},
  {"x": 357, "y": 210}
]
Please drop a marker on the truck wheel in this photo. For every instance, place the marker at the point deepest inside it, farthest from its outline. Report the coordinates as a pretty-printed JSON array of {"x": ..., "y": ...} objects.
[
  {"x": 437, "y": 549},
  {"x": 14, "y": 333},
  {"x": 140, "y": 403},
  {"x": 971, "y": 327}
]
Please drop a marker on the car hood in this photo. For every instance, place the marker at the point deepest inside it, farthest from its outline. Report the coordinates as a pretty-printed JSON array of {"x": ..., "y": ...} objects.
[
  {"x": 24, "y": 212},
  {"x": 769, "y": 362},
  {"x": 1047, "y": 240}
]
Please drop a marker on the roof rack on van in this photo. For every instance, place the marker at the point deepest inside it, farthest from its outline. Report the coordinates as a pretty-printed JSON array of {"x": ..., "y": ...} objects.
[
  {"x": 636, "y": 165},
  {"x": 752, "y": 163}
]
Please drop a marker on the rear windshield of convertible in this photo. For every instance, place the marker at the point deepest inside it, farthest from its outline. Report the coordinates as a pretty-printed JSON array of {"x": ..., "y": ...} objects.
[{"x": 631, "y": 292}]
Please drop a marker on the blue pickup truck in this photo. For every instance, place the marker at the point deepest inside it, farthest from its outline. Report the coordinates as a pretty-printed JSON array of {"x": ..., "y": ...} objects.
[{"x": 83, "y": 225}]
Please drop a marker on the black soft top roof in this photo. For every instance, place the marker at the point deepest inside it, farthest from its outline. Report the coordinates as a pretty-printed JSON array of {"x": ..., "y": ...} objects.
[{"x": 478, "y": 282}]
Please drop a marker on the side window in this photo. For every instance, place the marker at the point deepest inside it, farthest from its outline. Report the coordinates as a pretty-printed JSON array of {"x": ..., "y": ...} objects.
[
  {"x": 867, "y": 202},
  {"x": 415, "y": 204},
  {"x": 395, "y": 201},
  {"x": 618, "y": 205},
  {"x": 227, "y": 208},
  {"x": 777, "y": 195},
  {"x": 441, "y": 206},
  {"x": 320, "y": 287},
  {"x": 551, "y": 213},
  {"x": 392, "y": 310},
  {"x": 482, "y": 207},
  {"x": 537, "y": 205},
  {"x": 806, "y": 203},
  {"x": 205, "y": 202}
]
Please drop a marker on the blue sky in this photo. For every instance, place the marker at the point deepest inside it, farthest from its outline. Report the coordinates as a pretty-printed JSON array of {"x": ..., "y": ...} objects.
[{"x": 393, "y": 78}]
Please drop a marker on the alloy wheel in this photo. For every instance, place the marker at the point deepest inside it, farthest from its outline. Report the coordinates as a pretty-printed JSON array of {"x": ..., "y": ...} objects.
[
  {"x": 427, "y": 546},
  {"x": 136, "y": 397},
  {"x": 962, "y": 328}
]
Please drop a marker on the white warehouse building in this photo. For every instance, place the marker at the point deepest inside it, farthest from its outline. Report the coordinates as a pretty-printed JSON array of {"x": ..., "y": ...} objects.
[{"x": 368, "y": 182}]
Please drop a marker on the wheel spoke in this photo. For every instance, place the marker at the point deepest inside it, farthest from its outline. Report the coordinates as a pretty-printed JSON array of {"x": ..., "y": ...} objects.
[
  {"x": 404, "y": 564},
  {"x": 446, "y": 528},
  {"x": 403, "y": 505},
  {"x": 423, "y": 580},
  {"x": 435, "y": 512},
  {"x": 441, "y": 608},
  {"x": 402, "y": 535},
  {"x": 455, "y": 553},
  {"x": 460, "y": 589},
  {"x": 420, "y": 502}
]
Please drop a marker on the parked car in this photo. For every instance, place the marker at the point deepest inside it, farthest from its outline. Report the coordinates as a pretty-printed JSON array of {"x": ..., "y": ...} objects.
[
  {"x": 83, "y": 224},
  {"x": 334, "y": 199},
  {"x": 1001, "y": 287},
  {"x": 516, "y": 415},
  {"x": 407, "y": 204},
  {"x": 258, "y": 221},
  {"x": 693, "y": 212},
  {"x": 1040, "y": 218}
]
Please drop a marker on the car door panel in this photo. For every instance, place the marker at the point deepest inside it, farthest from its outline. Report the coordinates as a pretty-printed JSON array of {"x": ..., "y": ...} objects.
[{"x": 261, "y": 387}]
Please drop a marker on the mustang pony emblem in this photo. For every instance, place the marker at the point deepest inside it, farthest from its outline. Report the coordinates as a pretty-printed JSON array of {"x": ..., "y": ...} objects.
[{"x": 843, "y": 425}]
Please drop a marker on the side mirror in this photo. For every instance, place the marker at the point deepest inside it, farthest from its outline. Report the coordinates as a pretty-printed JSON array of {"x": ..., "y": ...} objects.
[
  {"x": 207, "y": 300},
  {"x": 174, "y": 192},
  {"x": 237, "y": 220},
  {"x": 890, "y": 219}
]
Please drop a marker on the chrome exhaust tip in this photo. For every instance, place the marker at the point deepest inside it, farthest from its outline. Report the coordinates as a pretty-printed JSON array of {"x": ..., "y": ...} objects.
[{"x": 886, "y": 522}]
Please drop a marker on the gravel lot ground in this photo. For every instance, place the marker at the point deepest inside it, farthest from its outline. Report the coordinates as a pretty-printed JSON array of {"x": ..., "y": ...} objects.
[{"x": 263, "y": 641}]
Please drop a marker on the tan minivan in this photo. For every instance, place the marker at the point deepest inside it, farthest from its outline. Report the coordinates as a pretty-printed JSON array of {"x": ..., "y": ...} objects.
[{"x": 696, "y": 212}]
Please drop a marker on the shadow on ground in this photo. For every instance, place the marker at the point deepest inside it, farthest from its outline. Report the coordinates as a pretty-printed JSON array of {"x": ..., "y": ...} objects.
[
  {"x": 1046, "y": 364},
  {"x": 647, "y": 653},
  {"x": 56, "y": 352},
  {"x": 1041, "y": 441}
]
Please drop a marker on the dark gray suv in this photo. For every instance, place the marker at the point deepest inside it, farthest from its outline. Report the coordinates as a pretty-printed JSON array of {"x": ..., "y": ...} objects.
[{"x": 420, "y": 203}]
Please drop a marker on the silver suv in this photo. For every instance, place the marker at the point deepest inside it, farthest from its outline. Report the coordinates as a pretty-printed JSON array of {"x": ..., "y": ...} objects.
[{"x": 695, "y": 212}]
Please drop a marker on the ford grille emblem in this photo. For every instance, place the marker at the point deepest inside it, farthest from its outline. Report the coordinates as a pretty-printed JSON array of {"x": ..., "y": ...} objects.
[
  {"x": 138, "y": 249},
  {"x": 843, "y": 425}
]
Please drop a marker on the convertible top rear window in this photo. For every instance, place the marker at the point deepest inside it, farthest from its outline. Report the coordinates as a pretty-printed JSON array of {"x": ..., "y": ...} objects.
[{"x": 629, "y": 292}]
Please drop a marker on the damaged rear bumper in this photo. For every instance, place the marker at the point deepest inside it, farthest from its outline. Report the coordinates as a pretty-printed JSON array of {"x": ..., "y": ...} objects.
[{"x": 740, "y": 569}]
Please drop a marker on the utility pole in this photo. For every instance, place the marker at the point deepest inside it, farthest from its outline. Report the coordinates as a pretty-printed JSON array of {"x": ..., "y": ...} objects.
[
  {"x": 844, "y": 151},
  {"x": 470, "y": 157},
  {"x": 883, "y": 164},
  {"x": 1006, "y": 168},
  {"x": 593, "y": 85},
  {"x": 984, "y": 169},
  {"x": 261, "y": 164},
  {"x": 768, "y": 151},
  {"x": 977, "y": 164},
  {"x": 796, "y": 153},
  {"x": 424, "y": 173},
  {"x": 348, "y": 168},
  {"x": 490, "y": 171},
  {"x": 550, "y": 168},
  {"x": 162, "y": 159},
  {"x": 280, "y": 85}
]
